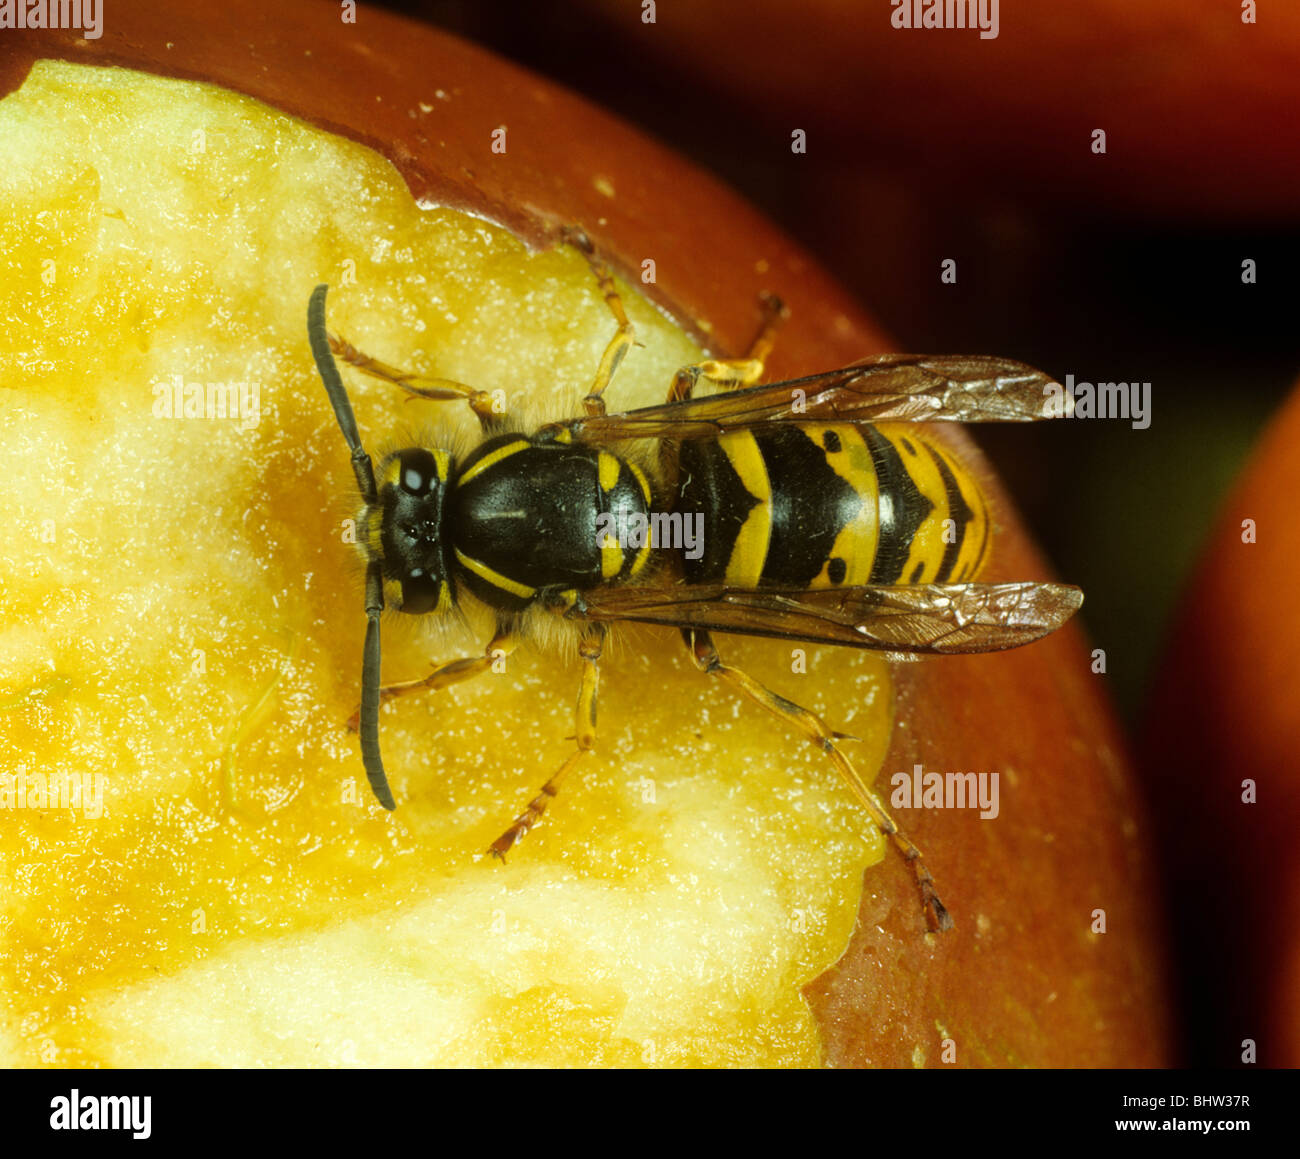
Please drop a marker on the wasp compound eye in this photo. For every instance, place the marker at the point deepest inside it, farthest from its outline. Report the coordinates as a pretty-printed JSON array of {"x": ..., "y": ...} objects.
[
  {"x": 417, "y": 471},
  {"x": 420, "y": 593}
]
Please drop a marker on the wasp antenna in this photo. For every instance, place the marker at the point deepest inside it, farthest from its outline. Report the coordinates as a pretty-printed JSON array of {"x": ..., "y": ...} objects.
[
  {"x": 329, "y": 373},
  {"x": 371, "y": 758},
  {"x": 364, "y": 471}
]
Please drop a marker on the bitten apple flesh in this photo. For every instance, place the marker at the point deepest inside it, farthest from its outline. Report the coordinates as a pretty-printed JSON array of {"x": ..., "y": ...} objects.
[{"x": 182, "y": 626}]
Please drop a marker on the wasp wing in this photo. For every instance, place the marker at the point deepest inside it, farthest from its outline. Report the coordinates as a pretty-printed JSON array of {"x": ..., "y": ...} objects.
[
  {"x": 887, "y": 388},
  {"x": 907, "y": 618}
]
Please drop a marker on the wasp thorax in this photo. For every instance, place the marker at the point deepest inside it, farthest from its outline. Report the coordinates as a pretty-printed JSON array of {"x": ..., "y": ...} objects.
[{"x": 410, "y": 533}]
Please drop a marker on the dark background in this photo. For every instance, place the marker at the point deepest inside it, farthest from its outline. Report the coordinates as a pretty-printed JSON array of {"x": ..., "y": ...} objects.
[{"x": 1072, "y": 284}]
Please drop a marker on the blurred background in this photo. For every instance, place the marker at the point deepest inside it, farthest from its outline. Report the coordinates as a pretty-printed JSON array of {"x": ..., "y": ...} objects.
[{"x": 925, "y": 145}]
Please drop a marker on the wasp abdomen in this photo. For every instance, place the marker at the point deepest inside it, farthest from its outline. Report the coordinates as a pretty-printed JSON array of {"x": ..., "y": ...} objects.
[{"x": 821, "y": 506}]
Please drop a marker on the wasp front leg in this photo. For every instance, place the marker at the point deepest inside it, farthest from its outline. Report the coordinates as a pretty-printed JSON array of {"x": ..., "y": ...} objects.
[
  {"x": 735, "y": 373},
  {"x": 592, "y": 641},
  {"x": 812, "y": 726},
  {"x": 452, "y": 672},
  {"x": 487, "y": 406}
]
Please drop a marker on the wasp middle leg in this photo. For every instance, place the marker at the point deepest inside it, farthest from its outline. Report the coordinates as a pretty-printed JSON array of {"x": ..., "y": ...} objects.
[
  {"x": 811, "y": 725},
  {"x": 589, "y": 649}
]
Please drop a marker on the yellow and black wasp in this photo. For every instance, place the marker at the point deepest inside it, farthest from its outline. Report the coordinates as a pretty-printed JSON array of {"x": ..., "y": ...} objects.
[{"x": 811, "y": 522}]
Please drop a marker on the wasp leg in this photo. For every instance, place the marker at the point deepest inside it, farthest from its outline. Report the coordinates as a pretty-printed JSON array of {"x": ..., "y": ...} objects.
[
  {"x": 707, "y": 659},
  {"x": 623, "y": 340},
  {"x": 589, "y": 649},
  {"x": 735, "y": 373},
  {"x": 452, "y": 672},
  {"x": 487, "y": 406}
]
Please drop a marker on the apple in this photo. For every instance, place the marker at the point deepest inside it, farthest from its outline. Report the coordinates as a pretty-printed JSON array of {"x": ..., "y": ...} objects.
[{"x": 183, "y": 618}]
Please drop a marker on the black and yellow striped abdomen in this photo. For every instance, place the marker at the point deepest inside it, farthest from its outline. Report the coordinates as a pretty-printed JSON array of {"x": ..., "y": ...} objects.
[{"x": 821, "y": 506}]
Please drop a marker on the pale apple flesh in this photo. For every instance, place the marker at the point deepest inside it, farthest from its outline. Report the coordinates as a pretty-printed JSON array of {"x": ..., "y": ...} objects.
[{"x": 182, "y": 621}]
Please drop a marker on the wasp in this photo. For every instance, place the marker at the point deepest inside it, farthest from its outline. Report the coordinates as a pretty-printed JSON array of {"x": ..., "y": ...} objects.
[{"x": 825, "y": 514}]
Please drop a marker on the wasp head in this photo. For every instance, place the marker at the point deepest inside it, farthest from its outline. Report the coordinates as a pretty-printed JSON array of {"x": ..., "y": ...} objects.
[{"x": 404, "y": 528}]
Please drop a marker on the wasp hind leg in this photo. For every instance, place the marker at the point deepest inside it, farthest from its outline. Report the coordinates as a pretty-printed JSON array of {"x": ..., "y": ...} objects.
[
  {"x": 486, "y": 405},
  {"x": 589, "y": 649},
  {"x": 811, "y": 725},
  {"x": 735, "y": 373},
  {"x": 451, "y": 672}
]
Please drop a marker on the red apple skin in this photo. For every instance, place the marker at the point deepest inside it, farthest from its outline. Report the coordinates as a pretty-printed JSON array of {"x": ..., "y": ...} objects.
[
  {"x": 1021, "y": 981},
  {"x": 1223, "y": 717}
]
